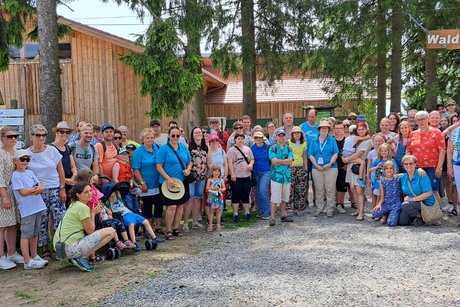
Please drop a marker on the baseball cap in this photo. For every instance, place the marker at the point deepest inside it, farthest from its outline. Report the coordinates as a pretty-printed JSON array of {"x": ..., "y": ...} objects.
[
  {"x": 131, "y": 147},
  {"x": 21, "y": 153},
  {"x": 450, "y": 102},
  {"x": 361, "y": 118},
  {"x": 155, "y": 122},
  {"x": 106, "y": 126},
  {"x": 281, "y": 131},
  {"x": 122, "y": 150}
]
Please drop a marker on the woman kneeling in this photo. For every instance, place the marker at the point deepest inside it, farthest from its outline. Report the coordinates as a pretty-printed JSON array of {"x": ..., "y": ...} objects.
[{"x": 78, "y": 220}]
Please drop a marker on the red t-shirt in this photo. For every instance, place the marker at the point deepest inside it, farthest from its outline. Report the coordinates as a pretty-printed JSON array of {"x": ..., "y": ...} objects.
[
  {"x": 125, "y": 173},
  {"x": 426, "y": 146}
]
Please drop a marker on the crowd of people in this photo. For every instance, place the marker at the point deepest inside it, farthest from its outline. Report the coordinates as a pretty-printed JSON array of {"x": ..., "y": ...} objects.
[{"x": 65, "y": 194}]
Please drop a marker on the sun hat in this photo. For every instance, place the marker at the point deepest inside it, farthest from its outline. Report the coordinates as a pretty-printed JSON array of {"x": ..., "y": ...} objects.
[
  {"x": 62, "y": 125},
  {"x": 450, "y": 102},
  {"x": 352, "y": 128},
  {"x": 175, "y": 193},
  {"x": 258, "y": 134},
  {"x": 106, "y": 126},
  {"x": 213, "y": 137},
  {"x": 21, "y": 153},
  {"x": 324, "y": 123},
  {"x": 296, "y": 129},
  {"x": 213, "y": 120}
]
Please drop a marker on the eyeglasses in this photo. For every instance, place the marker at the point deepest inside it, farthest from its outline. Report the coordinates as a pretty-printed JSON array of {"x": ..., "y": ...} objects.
[
  {"x": 175, "y": 136},
  {"x": 408, "y": 163},
  {"x": 270, "y": 126},
  {"x": 421, "y": 119},
  {"x": 64, "y": 131},
  {"x": 12, "y": 136},
  {"x": 117, "y": 137},
  {"x": 24, "y": 159},
  {"x": 40, "y": 135}
]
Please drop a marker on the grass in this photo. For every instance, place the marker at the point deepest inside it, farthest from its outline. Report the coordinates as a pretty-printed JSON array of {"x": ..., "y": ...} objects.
[
  {"x": 151, "y": 275},
  {"x": 23, "y": 295}
]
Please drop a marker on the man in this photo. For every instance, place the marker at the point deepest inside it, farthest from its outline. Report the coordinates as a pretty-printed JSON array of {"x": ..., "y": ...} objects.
[
  {"x": 440, "y": 108},
  {"x": 310, "y": 129},
  {"x": 411, "y": 119},
  {"x": 280, "y": 177},
  {"x": 246, "y": 121},
  {"x": 160, "y": 138},
  {"x": 238, "y": 128},
  {"x": 429, "y": 147},
  {"x": 84, "y": 153},
  {"x": 75, "y": 136},
  {"x": 223, "y": 135},
  {"x": 352, "y": 118},
  {"x": 107, "y": 151},
  {"x": 451, "y": 106},
  {"x": 288, "y": 120},
  {"x": 125, "y": 137}
]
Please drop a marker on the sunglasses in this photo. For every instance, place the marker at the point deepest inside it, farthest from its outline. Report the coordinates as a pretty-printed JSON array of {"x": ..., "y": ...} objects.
[
  {"x": 12, "y": 136},
  {"x": 352, "y": 118},
  {"x": 40, "y": 135},
  {"x": 238, "y": 128},
  {"x": 205, "y": 131},
  {"x": 24, "y": 159},
  {"x": 408, "y": 163},
  {"x": 346, "y": 125},
  {"x": 64, "y": 132},
  {"x": 257, "y": 138},
  {"x": 175, "y": 136},
  {"x": 117, "y": 137}
]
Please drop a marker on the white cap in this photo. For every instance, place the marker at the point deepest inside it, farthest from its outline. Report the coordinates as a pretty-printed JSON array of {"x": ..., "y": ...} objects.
[{"x": 21, "y": 153}]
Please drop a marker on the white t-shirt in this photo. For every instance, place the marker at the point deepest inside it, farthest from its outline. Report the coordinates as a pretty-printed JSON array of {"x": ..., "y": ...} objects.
[
  {"x": 44, "y": 165},
  {"x": 31, "y": 204},
  {"x": 349, "y": 146},
  {"x": 372, "y": 155},
  {"x": 120, "y": 208}
]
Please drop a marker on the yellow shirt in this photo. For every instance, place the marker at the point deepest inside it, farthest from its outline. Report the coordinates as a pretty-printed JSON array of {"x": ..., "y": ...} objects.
[{"x": 298, "y": 151}]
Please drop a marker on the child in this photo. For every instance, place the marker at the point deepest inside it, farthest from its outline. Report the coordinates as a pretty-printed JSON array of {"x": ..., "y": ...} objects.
[
  {"x": 377, "y": 140},
  {"x": 390, "y": 196},
  {"x": 349, "y": 148},
  {"x": 87, "y": 176},
  {"x": 215, "y": 189},
  {"x": 27, "y": 190},
  {"x": 130, "y": 219},
  {"x": 122, "y": 171},
  {"x": 375, "y": 172}
]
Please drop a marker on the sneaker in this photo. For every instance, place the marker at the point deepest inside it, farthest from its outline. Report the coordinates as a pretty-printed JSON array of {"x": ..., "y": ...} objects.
[
  {"x": 158, "y": 240},
  {"x": 248, "y": 216},
  {"x": 82, "y": 264},
  {"x": 6, "y": 264},
  {"x": 264, "y": 218},
  {"x": 185, "y": 228},
  {"x": 447, "y": 207},
  {"x": 318, "y": 214},
  {"x": 16, "y": 258},
  {"x": 38, "y": 258},
  {"x": 236, "y": 218},
  {"x": 287, "y": 219},
  {"x": 362, "y": 182},
  {"x": 129, "y": 244},
  {"x": 34, "y": 264},
  {"x": 137, "y": 247},
  {"x": 340, "y": 208},
  {"x": 272, "y": 222},
  {"x": 330, "y": 214},
  {"x": 198, "y": 225}
]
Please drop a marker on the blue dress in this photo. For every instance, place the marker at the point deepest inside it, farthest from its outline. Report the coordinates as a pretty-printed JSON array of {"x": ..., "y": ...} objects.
[{"x": 392, "y": 201}]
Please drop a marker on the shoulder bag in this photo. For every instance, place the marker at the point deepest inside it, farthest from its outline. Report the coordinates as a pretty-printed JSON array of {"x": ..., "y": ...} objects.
[
  {"x": 59, "y": 247},
  {"x": 190, "y": 178},
  {"x": 253, "y": 178},
  {"x": 430, "y": 214}
]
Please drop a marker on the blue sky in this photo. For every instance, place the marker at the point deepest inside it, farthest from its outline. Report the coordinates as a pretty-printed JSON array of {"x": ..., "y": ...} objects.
[{"x": 109, "y": 17}]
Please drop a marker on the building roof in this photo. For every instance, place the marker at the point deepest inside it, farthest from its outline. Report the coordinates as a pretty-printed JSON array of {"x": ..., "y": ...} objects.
[{"x": 290, "y": 90}]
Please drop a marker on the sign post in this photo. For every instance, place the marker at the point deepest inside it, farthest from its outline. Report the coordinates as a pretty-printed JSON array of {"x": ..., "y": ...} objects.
[
  {"x": 15, "y": 119},
  {"x": 443, "y": 39}
]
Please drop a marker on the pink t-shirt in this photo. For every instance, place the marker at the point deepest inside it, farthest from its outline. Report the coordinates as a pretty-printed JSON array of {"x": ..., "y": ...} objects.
[{"x": 240, "y": 166}]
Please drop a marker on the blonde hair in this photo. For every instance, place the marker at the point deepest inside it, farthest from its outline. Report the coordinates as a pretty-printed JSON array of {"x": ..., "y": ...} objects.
[
  {"x": 5, "y": 129},
  {"x": 215, "y": 167},
  {"x": 379, "y": 150},
  {"x": 144, "y": 132},
  {"x": 389, "y": 164}
]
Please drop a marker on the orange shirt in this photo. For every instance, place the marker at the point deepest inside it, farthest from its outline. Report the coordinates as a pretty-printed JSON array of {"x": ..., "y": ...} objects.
[
  {"x": 108, "y": 158},
  {"x": 125, "y": 173},
  {"x": 426, "y": 147}
]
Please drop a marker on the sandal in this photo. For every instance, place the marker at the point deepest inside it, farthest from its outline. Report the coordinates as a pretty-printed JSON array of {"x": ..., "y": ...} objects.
[
  {"x": 353, "y": 205},
  {"x": 354, "y": 214},
  {"x": 176, "y": 232},
  {"x": 360, "y": 218},
  {"x": 46, "y": 254},
  {"x": 453, "y": 212},
  {"x": 98, "y": 259},
  {"x": 218, "y": 227},
  {"x": 169, "y": 236},
  {"x": 159, "y": 231},
  {"x": 210, "y": 228},
  {"x": 119, "y": 244}
]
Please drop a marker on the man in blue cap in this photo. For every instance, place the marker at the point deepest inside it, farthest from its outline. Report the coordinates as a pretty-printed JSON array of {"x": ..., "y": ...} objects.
[{"x": 107, "y": 151}]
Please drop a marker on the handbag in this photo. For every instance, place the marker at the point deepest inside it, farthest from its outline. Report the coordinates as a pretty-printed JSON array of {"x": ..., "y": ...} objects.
[
  {"x": 59, "y": 247},
  {"x": 430, "y": 214},
  {"x": 253, "y": 178},
  {"x": 190, "y": 178},
  {"x": 355, "y": 169}
]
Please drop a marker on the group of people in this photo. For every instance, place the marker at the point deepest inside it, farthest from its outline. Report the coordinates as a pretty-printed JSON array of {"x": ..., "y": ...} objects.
[{"x": 72, "y": 182}]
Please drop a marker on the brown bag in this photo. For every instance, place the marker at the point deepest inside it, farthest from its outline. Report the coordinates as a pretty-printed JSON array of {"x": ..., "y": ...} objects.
[{"x": 430, "y": 214}]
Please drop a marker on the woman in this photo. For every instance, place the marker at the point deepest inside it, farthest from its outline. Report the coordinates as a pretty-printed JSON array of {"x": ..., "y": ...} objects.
[
  {"x": 270, "y": 129},
  {"x": 125, "y": 141},
  {"x": 261, "y": 171},
  {"x": 299, "y": 170},
  {"x": 323, "y": 153},
  {"x": 63, "y": 131},
  {"x": 340, "y": 184},
  {"x": 404, "y": 131},
  {"x": 198, "y": 153},
  {"x": 453, "y": 167},
  {"x": 444, "y": 122},
  {"x": 45, "y": 162},
  {"x": 416, "y": 189},
  {"x": 117, "y": 137},
  {"x": 78, "y": 220},
  {"x": 362, "y": 149},
  {"x": 169, "y": 167},
  {"x": 394, "y": 121},
  {"x": 205, "y": 131},
  {"x": 9, "y": 212},
  {"x": 240, "y": 163},
  {"x": 143, "y": 163}
]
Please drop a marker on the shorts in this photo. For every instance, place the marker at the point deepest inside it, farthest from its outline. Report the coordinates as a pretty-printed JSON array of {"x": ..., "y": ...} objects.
[
  {"x": 133, "y": 218},
  {"x": 280, "y": 192},
  {"x": 115, "y": 224},
  {"x": 197, "y": 189},
  {"x": 430, "y": 171},
  {"x": 83, "y": 246},
  {"x": 240, "y": 190},
  {"x": 30, "y": 225}
]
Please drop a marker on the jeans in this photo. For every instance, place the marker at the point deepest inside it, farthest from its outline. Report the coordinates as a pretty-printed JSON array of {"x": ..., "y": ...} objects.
[
  {"x": 262, "y": 193},
  {"x": 409, "y": 211}
]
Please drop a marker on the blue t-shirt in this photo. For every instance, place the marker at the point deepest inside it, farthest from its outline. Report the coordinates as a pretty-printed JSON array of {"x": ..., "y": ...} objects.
[
  {"x": 261, "y": 159},
  {"x": 146, "y": 162},
  {"x": 324, "y": 150},
  {"x": 310, "y": 132},
  {"x": 419, "y": 185},
  {"x": 171, "y": 165},
  {"x": 280, "y": 173}
]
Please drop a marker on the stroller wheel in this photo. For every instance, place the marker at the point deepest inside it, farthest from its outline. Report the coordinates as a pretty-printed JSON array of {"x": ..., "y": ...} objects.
[
  {"x": 117, "y": 253},
  {"x": 150, "y": 245},
  {"x": 111, "y": 254}
]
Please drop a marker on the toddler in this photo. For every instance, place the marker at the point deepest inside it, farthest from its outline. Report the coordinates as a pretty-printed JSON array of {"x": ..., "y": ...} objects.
[
  {"x": 215, "y": 188},
  {"x": 122, "y": 171}
]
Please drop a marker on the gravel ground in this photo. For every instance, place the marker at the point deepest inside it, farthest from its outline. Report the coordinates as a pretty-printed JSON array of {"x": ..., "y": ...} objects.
[{"x": 311, "y": 262}]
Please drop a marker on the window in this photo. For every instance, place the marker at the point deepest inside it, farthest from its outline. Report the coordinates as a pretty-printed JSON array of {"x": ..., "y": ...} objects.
[{"x": 29, "y": 51}]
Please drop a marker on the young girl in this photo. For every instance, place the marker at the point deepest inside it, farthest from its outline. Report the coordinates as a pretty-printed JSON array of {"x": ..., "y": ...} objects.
[
  {"x": 215, "y": 188},
  {"x": 377, "y": 140},
  {"x": 404, "y": 134},
  {"x": 390, "y": 192},
  {"x": 376, "y": 170}
]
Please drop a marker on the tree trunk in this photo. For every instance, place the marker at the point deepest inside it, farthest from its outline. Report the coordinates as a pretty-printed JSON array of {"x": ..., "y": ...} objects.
[
  {"x": 49, "y": 73},
  {"x": 248, "y": 51},
  {"x": 396, "y": 55},
  {"x": 381, "y": 61},
  {"x": 431, "y": 80}
]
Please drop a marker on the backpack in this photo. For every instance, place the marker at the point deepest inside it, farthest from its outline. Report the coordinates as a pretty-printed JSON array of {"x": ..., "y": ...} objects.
[
  {"x": 71, "y": 147},
  {"x": 104, "y": 147}
]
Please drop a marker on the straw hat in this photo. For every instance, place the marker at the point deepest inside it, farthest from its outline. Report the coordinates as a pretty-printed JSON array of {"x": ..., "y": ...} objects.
[
  {"x": 296, "y": 129},
  {"x": 324, "y": 123},
  {"x": 175, "y": 193},
  {"x": 62, "y": 125}
]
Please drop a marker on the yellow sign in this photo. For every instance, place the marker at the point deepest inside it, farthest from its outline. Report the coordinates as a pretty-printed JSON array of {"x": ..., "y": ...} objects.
[{"x": 443, "y": 39}]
